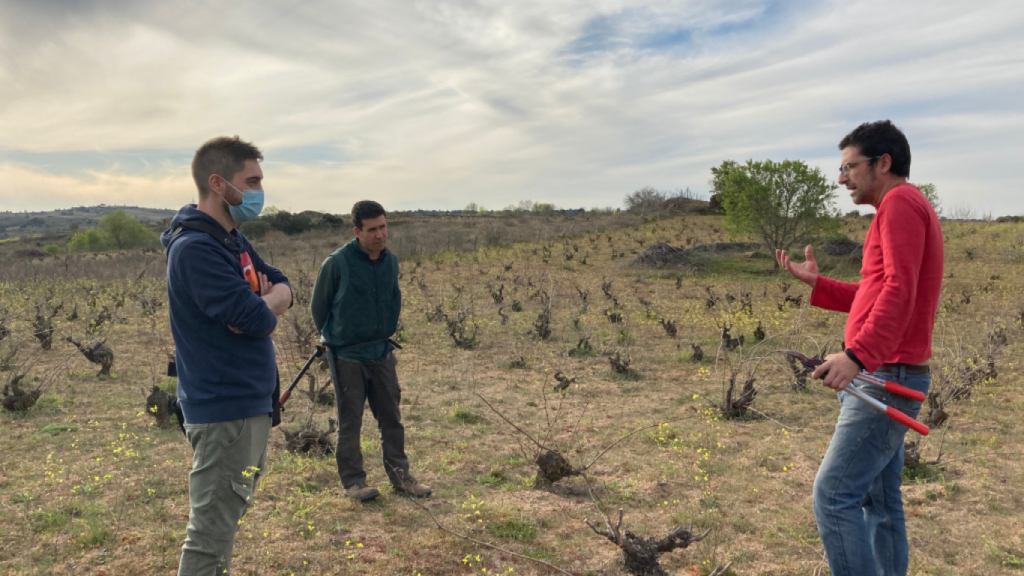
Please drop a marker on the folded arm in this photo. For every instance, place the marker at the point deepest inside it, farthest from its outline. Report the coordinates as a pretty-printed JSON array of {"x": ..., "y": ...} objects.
[
  {"x": 328, "y": 281},
  {"x": 278, "y": 294},
  {"x": 214, "y": 283}
]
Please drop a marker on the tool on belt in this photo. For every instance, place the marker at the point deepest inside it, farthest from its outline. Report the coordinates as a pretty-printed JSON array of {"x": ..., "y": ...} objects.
[{"x": 866, "y": 378}]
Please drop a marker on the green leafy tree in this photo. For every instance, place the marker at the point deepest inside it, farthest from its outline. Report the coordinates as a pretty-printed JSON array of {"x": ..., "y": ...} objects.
[
  {"x": 543, "y": 209},
  {"x": 126, "y": 232},
  {"x": 719, "y": 175},
  {"x": 932, "y": 194},
  {"x": 52, "y": 249},
  {"x": 784, "y": 203},
  {"x": 91, "y": 240}
]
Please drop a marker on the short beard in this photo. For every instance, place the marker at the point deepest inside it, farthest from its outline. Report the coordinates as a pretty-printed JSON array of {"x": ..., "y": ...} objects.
[{"x": 863, "y": 191}]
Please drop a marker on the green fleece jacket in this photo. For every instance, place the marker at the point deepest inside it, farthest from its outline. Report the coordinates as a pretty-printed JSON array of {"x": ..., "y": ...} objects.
[{"x": 356, "y": 303}]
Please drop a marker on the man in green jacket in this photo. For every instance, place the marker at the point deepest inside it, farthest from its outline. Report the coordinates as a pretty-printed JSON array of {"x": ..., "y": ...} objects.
[{"x": 355, "y": 305}]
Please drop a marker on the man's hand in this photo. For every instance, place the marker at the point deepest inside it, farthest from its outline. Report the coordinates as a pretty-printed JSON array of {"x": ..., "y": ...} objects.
[
  {"x": 807, "y": 272},
  {"x": 278, "y": 297},
  {"x": 837, "y": 371}
]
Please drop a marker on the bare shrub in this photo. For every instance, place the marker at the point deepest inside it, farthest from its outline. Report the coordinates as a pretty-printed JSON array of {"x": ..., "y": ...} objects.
[
  {"x": 736, "y": 404},
  {"x": 458, "y": 329},
  {"x": 696, "y": 354},
  {"x": 640, "y": 555},
  {"x": 97, "y": 353},
  {"x": 669, "y": 326},
  {"x": 310, "y": 440},
  {"x": 542, "y": 326},
  {"x": 42, "y": 326},
  {"x": 158, "y": 405},
  {"x": 645, "y": 200}
]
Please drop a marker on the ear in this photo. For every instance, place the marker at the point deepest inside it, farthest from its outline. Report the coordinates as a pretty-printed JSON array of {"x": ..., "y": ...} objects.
[
  {"x": 216, "y": 184},
  {"x": 885, "y": 163},
  {"x": 357, "y": 232}
]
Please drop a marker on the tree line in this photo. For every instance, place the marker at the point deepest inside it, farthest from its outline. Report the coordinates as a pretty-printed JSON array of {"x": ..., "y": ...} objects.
[{"x": 783, "y": 203}]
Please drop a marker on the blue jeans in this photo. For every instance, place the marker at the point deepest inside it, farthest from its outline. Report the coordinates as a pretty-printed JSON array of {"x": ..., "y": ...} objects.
[{"x": 857, "y": 500}]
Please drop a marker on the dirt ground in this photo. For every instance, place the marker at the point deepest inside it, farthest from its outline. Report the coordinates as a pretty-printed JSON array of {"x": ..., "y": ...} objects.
[{"x": 89, "y": 484}]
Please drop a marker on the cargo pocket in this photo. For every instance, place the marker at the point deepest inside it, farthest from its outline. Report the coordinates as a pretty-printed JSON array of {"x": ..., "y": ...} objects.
[{"x": 243, "y": 488}]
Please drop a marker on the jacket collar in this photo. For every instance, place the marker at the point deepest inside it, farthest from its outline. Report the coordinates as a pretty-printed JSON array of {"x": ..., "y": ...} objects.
[{"x": 358, "y": 249}]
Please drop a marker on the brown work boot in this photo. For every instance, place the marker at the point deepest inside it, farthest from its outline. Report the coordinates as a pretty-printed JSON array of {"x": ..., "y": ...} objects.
[
  {"x": 412, "y": 487},
  {"x": 361, "y": 492}
]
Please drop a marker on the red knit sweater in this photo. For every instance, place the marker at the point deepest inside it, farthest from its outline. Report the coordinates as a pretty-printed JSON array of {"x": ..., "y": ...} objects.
[{"x": 892, "y": 308}]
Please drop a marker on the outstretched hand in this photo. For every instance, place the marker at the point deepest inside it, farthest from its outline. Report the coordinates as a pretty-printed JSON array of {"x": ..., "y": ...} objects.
[{"x": 806, "y": 271}]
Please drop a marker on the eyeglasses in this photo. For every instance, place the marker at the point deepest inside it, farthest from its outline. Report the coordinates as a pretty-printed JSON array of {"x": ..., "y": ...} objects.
[{"x": 845, "y": 168}]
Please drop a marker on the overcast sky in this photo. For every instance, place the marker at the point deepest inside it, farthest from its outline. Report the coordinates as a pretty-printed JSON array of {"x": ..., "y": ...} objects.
[{"x": 437, "y": 104}]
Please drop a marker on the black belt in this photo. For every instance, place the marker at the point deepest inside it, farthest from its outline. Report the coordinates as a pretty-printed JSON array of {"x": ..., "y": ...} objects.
[{"x": 908, "y": 368}]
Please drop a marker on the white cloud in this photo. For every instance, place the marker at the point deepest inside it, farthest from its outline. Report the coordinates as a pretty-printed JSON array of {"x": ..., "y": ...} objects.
[
  {"x": 26, "y": 188},
  {"x": 436, "y": 104}
]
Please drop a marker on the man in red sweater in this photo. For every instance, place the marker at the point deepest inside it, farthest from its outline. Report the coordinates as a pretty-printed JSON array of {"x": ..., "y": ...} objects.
[{"x": 857, "y": 499}]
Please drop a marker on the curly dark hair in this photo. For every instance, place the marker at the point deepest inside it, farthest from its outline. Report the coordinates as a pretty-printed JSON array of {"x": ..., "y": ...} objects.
[
  {"x": 366, "y": 210},
  {"x": 878, "y": 138},
  {"x": 222, "y": 156}
]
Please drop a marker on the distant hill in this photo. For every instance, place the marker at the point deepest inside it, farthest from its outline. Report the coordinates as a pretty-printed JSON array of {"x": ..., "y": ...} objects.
[{"x": 59, "y": 221}]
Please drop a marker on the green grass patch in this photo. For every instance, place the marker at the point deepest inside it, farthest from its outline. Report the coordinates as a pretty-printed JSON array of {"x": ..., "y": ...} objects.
[
  {"x": 460, "y": 415},
  {"x": 631, "y": 375},
  {"x": 310, "y": 487},
  {"x": 512, "y": 530},
  {"x": 95, "y": 534},
  {"x": 170, "y": 386},
  {"x": 922, "y": 472},
  {"x": 50, "y": 521},
  {"x": 55, "y": 428}
]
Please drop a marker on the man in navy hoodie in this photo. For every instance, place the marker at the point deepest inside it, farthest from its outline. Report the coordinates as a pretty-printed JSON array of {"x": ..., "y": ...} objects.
[{"x": 221, "y": 323}]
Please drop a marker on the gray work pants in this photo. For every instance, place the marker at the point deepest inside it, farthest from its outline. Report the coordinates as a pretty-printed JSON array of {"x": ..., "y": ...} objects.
[{"x": 355, "y": 384}]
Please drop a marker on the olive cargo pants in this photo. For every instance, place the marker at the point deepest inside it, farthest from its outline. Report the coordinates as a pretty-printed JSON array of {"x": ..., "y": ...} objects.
[{"x": 227, "y": 460}]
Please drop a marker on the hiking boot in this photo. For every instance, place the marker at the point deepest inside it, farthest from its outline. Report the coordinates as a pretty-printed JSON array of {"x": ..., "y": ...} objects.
[
  {"x": 361, "y": 492},
  {"x": 413, "y": 488}
]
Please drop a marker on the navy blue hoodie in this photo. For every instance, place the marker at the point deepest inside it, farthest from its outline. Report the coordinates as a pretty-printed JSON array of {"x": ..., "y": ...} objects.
[{"x": 222, "y": 376}]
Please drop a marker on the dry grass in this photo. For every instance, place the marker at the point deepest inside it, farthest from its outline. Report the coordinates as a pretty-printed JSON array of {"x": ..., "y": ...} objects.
[{"x": 89, "y": 486}]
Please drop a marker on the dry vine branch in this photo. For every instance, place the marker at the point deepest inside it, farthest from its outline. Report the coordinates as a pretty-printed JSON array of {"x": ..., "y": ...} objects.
[
  {"x": 640, "y": 555},
  {"x": 552, "y": 465}
]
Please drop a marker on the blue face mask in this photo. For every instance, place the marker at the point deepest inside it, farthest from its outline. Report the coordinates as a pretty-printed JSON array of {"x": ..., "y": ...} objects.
[{"x": 250, "y": 208}]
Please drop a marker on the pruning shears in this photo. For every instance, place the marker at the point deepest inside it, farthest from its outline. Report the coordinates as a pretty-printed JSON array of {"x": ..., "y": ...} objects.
[
  {"x": 295, "y": 382},
  {"x": 876, "y": 404}
]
